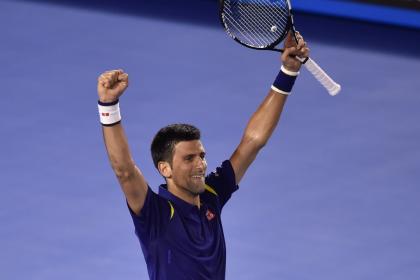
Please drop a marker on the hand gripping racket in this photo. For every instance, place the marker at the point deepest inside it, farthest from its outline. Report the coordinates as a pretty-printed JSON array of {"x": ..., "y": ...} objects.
[{"x": 263, "y": 24}]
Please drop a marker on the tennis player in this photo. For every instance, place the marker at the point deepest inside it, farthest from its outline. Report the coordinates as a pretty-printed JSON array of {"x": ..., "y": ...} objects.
[{"x": 180, "y": 229}]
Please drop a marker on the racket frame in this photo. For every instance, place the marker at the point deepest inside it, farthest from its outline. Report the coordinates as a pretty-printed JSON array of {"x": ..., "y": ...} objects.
[
  {"x": 329, "y": 84},
  {"x": 272, "y": 46}
]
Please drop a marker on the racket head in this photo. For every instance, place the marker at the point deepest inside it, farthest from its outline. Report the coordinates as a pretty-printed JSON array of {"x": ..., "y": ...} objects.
[{"x": 256, "y": 24}]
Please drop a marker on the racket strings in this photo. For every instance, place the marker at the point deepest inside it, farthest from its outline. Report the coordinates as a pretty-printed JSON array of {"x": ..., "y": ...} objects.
[
  {"x": 251, "y": 23},
  {"x": 234, "y": 26},
  {"x": 271, "y": 10},
  {"x": 257, "y": 23},
  {"x": 255, "y": 17},
  {"x": 252, "y": 36}
]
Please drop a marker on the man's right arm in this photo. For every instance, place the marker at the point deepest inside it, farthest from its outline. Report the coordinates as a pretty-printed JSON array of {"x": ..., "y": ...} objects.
[{"x": 111, "y": 86}]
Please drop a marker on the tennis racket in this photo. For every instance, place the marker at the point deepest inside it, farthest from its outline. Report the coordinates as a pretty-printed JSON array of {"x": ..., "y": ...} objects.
[{"x": 263, "y": 24}]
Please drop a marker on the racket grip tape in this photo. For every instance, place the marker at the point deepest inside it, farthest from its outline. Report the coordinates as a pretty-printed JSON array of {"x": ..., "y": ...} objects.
[{"x": 326, "y": 81}]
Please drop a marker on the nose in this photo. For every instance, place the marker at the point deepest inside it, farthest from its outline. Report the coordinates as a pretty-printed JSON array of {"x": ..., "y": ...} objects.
[{"x": 201, "y": 164}]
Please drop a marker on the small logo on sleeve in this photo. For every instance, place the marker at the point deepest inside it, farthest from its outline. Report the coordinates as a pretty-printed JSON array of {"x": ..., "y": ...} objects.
[{"x": 210, "y": 215}]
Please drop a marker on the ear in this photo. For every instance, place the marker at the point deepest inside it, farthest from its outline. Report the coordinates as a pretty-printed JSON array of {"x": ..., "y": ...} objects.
[{"x": 165, "y": 169}]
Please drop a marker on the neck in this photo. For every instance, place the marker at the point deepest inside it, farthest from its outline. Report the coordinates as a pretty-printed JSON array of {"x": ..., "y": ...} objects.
[{"x": 183, "y": 194}]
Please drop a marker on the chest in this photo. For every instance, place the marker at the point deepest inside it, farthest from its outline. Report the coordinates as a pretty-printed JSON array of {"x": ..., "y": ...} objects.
[{"x": 195, "y": 231}]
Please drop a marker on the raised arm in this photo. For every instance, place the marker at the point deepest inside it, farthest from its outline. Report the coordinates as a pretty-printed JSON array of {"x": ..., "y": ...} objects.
[
  {"x": 265, "y": 119},
  {"x": 111, "y": 86}
]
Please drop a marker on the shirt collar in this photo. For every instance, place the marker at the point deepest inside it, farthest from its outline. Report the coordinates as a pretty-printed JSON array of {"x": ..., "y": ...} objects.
[{"x": 181, "y": 204}]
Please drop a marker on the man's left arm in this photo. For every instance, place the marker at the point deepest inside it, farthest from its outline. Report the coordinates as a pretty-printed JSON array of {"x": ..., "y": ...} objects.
[{"x": 263, "y": 122}]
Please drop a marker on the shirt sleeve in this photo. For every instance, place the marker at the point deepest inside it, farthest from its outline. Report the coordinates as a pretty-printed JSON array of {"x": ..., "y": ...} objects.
[
  {"x": 153, "y": 217},
  {"x": 222, "y": 182}
]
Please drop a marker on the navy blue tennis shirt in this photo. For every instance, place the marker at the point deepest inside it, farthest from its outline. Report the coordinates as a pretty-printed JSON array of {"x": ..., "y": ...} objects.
[{"x": 180, "y": 240}]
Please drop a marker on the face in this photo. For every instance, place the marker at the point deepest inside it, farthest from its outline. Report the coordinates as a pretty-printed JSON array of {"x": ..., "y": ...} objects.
[{"x": 188, "y": 167}]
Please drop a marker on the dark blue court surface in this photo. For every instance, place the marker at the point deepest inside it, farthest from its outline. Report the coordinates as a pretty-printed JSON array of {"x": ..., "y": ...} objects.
[{"x": 334, "y": 195}]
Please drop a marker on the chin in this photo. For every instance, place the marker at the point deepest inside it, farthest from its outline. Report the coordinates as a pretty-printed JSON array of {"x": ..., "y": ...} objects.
[
  {"x": 202, "y": 189},
  {"x": 198, "y": 189}
]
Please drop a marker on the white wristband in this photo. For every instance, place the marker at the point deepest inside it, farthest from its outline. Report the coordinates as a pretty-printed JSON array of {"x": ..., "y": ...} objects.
[
  {"x": 109, "y": 114},
  {"x": 288, "y": 72},
  {"x": 279, "y": 91}
]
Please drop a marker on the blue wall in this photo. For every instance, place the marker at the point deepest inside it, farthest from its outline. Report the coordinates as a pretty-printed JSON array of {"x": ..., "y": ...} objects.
[{"x": 363, "y": 11}]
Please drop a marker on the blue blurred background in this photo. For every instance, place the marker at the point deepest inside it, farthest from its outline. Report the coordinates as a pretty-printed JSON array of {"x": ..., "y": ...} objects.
[
  {"x": 395, "y": 12},
  {"x": 334, "y": 194}
]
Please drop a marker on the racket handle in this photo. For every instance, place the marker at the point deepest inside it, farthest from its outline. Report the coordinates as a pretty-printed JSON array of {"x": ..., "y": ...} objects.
[{"x": 332, "y": 87}]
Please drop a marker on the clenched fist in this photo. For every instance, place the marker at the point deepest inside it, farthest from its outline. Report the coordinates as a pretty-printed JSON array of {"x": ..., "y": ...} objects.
[
  {"x": 292, "y": 51},
  {"x": 111, "y": 85}
]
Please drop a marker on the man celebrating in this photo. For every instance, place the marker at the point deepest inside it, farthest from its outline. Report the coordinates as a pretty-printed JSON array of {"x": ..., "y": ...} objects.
[{"x": 180, "y": 229}]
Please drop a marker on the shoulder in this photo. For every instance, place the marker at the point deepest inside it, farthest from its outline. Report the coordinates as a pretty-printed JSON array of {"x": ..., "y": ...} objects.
[
  {"x": 222, "y": 175},
  {"x": 154, "y": 206},
  {"x": 220, "y": 184}
]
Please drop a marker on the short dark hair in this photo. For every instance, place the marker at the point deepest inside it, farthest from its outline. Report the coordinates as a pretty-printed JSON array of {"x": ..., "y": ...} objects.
[{"x": 163, "y": 143}]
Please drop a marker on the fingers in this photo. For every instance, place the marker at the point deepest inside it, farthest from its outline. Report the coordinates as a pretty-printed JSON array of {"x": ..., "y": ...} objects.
[
  {"x": 110, "y": 79},
  {"x": 289, "y": 55},
  {"x": 123, "y": 78},
  {"x": 290, "y": 41},
  {"x": 295, "y": 39},
  {"x": 301, "y": 43},
  {"x": 298, "y": 36},
  {"x": 300, "y": 49},
  {"x": 294, "y": 52}
]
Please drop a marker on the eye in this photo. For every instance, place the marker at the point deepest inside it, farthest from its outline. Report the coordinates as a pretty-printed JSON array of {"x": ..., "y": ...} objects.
[
  {"x": 189, "y": 158},
  {"x": 202, "y": 155}
]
